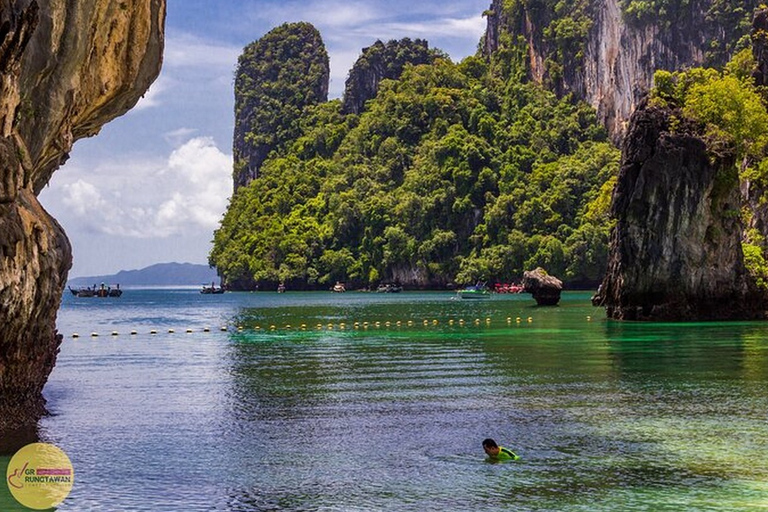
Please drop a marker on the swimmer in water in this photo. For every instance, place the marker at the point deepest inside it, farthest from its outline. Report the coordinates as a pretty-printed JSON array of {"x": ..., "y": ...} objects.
[{"x": 497, "y": 453}]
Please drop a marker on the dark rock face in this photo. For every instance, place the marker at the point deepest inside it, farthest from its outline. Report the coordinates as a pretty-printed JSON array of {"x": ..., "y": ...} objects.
[
  {"x": 277, "y": 77},
  {"x": 675, "y": 252},
  {"x": 759, "y": 38},
  {"x": 755, "y": 192},
  {"x": 544, "y": 288},
  {"x": 61, "y": 78},
  {"x": 379, "y": 62}
]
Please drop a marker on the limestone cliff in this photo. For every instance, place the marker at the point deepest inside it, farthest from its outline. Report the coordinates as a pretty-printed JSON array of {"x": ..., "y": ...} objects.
[
  {"x": 277, "y": 77},
  {"x": 755, "y": 192},
  {"x": 675, "y": 253},
  {"x": 66, "y": 69},
  {"x": 378, "y": 62},
  {"x": 606, "y": 51}
]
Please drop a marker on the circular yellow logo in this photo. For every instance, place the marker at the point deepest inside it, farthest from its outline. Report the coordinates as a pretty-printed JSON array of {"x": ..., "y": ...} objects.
[{"x": 40, "y": 476}]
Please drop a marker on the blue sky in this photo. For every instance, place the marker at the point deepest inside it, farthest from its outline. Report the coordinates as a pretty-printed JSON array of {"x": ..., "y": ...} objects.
[{"x": 153, "y": 185}]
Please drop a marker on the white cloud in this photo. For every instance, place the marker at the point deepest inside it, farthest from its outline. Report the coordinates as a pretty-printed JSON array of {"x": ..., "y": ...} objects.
[
  {"x": 188, "y": 50},
  {"x": 183, "y": 195},
  {"x": 472, "y": 27},
  {"x": 82, "y": 198}
]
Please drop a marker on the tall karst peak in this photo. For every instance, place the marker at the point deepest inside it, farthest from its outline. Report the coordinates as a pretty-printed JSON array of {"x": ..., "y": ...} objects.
[{"x": 277, "y": 77}]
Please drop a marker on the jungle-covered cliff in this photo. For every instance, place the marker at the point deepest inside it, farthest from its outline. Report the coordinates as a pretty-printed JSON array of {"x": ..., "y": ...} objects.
[
  {"x": 277, "y": 76},
  {"x": 692, "y": 182},
  {"x": 606, "y": 51},
  {"x": 378, "y": 62},
  {"x": 477, "y": 170},
  {"x": 66, "y": 69},
  {"x": 449, "y": 173}
]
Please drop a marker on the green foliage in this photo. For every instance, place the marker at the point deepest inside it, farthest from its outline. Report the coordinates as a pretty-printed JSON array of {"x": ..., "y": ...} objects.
[
  {"x": 449, "y": 173},
  {"x": 561, "y": 29},
  {"x": 727, "y": 105},
  {"x": 756, "y": 265},
  {"x": 729, "y": 22},
  {"x": 277, "y": 77}
]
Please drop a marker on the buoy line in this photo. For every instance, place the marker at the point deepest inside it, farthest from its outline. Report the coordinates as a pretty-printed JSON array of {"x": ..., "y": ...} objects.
[{"x": 341, "y": 326}]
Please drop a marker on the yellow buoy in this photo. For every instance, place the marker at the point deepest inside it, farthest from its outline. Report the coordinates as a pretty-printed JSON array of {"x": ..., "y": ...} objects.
[
  {"x": 224, "y": 328},
  {"x": 530, "y": 319}
]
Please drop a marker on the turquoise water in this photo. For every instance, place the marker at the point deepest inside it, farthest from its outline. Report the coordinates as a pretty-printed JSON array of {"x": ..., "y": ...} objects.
[{"x": 291, "y": 410}]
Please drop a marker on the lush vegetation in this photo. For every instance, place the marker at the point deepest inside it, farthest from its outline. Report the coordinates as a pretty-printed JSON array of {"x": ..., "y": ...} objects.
[
  {"x": 729, "y": 111},
  {"x": 561, "y": 30},
  {"x": 727, "y": 23},
  {"x": 451, "y": 174},
  {"x": 454, "y": 173},
  {"x": 382, "y": 61},
  {"x": 277, "y": 76}
]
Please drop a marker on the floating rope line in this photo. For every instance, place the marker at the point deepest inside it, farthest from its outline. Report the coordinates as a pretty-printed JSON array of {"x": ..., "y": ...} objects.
[{"x": 341, "y": 326}]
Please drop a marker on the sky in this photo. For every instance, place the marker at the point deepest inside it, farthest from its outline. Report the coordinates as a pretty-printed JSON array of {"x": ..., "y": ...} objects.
[{"x": 153, "y": 185}]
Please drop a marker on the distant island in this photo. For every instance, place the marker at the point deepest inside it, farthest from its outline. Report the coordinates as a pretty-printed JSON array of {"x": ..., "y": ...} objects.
[{"x": 161, "y": 274}]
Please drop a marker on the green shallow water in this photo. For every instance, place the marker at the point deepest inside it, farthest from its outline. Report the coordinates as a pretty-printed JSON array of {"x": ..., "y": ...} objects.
[{"x": 276, "y": 416}]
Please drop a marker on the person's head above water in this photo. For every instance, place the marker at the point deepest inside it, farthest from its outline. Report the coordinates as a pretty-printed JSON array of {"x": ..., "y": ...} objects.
[
  {"x": 497, "y": 453},
  {"x": 490, "y": 447}
]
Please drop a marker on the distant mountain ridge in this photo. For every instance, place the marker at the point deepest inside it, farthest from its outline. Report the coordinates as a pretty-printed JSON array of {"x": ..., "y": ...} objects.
[{"x": 161, "y": 274}]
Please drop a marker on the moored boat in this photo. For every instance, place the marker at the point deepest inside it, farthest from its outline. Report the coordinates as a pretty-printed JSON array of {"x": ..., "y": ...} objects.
[
  {"x": 212, "y": 290},
  {"x": 477, "y": 291},
  {"x": 389, "y": 288},
  {"x": 103, "y": 291}
]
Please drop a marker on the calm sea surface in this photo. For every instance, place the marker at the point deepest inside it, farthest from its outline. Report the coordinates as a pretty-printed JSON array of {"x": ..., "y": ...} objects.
[{"x": 364, "y": 401}]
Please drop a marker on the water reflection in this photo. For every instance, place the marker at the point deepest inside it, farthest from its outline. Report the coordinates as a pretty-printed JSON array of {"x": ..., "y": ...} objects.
[{"x": 381, "y": 416}]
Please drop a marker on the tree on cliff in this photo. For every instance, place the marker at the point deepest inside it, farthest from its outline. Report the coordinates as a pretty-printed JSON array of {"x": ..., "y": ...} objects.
[
  {"x": 382, "y": 61},
  {"x": 448, "y": 173},
  {"x": 277, "y": 77}
]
